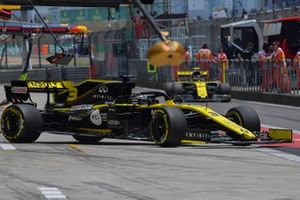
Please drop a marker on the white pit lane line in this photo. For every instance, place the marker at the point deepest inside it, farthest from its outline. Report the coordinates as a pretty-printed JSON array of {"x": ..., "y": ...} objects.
[
  {"x": 52, "y": 193},
  {"x": 280, "y": 154},
  {"x": 274, "y": 105},
  {"x": 7, "y": 147}
]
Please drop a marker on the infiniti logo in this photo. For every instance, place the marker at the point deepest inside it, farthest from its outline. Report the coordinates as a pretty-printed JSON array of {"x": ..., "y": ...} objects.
[{"x": 103, "y": 89}]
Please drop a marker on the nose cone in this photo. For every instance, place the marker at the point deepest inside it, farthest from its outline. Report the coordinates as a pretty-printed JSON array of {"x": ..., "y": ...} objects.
[{"x": 166, "y": 53}]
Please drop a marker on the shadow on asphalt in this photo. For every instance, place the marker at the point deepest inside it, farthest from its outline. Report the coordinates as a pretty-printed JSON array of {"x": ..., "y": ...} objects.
[
  {"x": 98, "y": 144},
  {"x": 149, "y": 144}
]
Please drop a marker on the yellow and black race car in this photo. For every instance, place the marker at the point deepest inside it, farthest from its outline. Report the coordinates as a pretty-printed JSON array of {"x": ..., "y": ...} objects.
[
  {"x": 95, "y": 109},
  {"x": 194, "y": 86}
]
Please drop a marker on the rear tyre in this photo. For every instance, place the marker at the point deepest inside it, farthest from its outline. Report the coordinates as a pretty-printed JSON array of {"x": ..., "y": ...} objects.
[
  {"x": 173, "y": 89},
  {"x": 168, "y": 127},
  {"x": 224, "y": 88},
  {"x": 21, "y": 123},
  {"x": 168, "y": 88},
  {"x": 177, "y": 88},
  {"x": 87, "y": 139},
  {"x": 245, "y": 116}
]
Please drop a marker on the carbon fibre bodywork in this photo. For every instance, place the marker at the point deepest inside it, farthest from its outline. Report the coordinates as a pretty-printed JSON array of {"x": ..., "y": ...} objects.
[{"x": 100, "y": 108}]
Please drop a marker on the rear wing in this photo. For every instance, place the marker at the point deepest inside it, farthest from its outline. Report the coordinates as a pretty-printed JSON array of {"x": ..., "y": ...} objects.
[
  {"x": 184, "y": 73},
  {"x": 45, "y": 86},
  {"x": 19, "y": 91},
  {"x": 190, "y": 73}
]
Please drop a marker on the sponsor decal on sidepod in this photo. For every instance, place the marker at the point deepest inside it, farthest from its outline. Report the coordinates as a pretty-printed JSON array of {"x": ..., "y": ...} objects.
[{"x": 95, "y": 118}]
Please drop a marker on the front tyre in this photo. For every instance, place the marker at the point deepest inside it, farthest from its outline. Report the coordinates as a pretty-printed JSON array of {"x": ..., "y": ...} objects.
[
  {"x": 168, "y": 127},
  {"x": 21, "y": 123},
  {"x": 245, "y": 116}
]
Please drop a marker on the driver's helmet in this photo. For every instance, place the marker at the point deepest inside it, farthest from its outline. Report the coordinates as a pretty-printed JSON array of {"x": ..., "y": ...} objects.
[
  {"x": 204, "y": 73},
  {"x": 195, "y": 75}
]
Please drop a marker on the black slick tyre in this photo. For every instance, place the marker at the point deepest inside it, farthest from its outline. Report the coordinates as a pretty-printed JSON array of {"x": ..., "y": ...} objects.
[
  {"x": 173, "y": 89},
  {"x": 168, "y": 127},
  {"x": 87, "y": 139},
  {"x": 21, "y": 123},
  {"x": 245, "y": 116},
  {"x": 224, "y": 88},
  {"x": 168, "y": 88},
  {"x": 177, "y": 89}
]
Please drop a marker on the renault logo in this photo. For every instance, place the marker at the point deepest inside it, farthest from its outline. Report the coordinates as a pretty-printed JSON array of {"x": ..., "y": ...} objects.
[{"x": 103, "y": 89}]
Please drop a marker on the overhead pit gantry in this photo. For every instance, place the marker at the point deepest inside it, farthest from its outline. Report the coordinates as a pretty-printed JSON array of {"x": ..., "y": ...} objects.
[
  {"x": 162, "y": 53},
  {"x": 75, "y": 3},
  {"x": 26, "y": 30}
]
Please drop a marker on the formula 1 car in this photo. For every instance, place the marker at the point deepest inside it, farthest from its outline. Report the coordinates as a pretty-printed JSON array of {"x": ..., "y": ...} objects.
[
  {"x": 95, "y": 109},
  {"x": 194, "y": 86}
]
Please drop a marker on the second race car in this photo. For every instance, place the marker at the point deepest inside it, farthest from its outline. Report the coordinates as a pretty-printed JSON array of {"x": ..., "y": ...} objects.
[{"x": 194, "y": 86}]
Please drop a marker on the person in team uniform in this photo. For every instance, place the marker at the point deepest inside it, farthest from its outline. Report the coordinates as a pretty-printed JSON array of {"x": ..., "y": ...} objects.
[
  {"x": 204, "y": 58},
  {"x": 223, "y": 62},
  {"x": 281, "y": 77}
]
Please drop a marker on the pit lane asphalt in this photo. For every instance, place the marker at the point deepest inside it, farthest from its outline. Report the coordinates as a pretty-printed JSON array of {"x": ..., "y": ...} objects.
[{"x": 118, "y": 169}]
